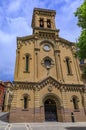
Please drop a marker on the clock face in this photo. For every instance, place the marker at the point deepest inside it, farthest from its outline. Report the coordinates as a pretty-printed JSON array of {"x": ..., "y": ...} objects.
[{"x": 46, "y": 47}]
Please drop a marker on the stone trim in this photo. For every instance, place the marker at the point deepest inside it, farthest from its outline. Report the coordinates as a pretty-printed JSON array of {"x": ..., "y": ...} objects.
[{"x": 51, "y": 81}]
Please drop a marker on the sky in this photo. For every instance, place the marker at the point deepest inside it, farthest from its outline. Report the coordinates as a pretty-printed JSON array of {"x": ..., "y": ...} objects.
[{"x": 15, "y": 21}]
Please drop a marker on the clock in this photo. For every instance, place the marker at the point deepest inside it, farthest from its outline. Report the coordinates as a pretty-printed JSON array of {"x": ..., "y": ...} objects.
[{"x": 46, "y": 47}]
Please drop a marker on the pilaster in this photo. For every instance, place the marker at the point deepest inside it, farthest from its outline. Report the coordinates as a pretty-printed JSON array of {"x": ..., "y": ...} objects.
[
  {"x": 76, "y": 64},
  {"x": 84, "y": 95},
  {"x": 58, "y": 65},
  {"x": 13, "y": 103},
  {"x": 65, "y": 104},
  {"x": 36, "y": 57},
  {"x": 37, "y": 104},
  {"x": 17, "y": 64},
  {"x": 6, "y": 101}
]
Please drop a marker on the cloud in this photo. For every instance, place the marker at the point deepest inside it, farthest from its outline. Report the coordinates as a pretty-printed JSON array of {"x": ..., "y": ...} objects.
[
  {"x": 15, "y": 20},
  {"x": 19, "y": 26},
  {"x": 66, "y": 21},
  {"x": 14, "y": 6},
  {"x": 8, "y": 45},
  {"x": 7, "y": 55}
]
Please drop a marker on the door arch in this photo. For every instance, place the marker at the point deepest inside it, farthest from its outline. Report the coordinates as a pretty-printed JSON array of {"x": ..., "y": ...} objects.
[{"x": 50, "y": 110}]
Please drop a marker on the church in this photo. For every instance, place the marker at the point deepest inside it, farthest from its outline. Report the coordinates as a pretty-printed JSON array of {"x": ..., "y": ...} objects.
[{"x": 47, "y": 82}]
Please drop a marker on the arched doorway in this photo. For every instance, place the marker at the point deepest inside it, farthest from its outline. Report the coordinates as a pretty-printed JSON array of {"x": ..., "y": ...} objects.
[{"x": 50, "y": 110}]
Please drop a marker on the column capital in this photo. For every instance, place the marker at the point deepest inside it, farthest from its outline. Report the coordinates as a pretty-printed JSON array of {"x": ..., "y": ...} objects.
[
  {"x": 36, "y": 49},
  {"x": 57, "y": 51}
]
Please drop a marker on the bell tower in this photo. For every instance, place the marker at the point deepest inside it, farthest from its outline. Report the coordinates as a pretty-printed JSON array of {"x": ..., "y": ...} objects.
[{"x": 43, "y": 19}]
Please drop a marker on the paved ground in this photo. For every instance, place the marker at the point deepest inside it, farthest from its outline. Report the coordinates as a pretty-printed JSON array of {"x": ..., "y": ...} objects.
[{"x": 42, "y": 126}]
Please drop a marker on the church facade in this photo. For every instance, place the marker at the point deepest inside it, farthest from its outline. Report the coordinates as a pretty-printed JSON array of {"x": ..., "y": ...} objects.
[{"x": 47, "y": 83}]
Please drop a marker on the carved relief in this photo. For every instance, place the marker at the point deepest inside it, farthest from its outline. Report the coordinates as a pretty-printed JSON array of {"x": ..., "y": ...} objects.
[
  {"x": 19, "y": 44},
  {"x": 50, "y": 88}
]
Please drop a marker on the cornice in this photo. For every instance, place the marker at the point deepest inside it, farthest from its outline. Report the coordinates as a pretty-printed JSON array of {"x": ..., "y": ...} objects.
[
  {"x": 66, "y": 41},
  {"x": 79, "y": 85},
  {"x": 41, "y": 11},
  {"x": 46, "y": 29},
  {"x": 72, "y": 87},
  {"x": 50, "y": 82},
  {"x": 26, "y": 38}
]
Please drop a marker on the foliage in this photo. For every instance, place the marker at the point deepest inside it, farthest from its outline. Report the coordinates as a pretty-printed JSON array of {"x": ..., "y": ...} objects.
[
  {"x": 81, "y": 14},
  {"x": 82, "y": 45},
  {"x": 84, "y": 71}
]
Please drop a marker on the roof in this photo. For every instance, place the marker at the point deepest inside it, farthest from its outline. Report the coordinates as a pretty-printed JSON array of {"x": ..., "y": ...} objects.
[{"x": 44, "y": 10}]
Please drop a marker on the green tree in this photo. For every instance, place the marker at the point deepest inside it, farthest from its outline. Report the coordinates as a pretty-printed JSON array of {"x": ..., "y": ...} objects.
[
  {"x": 81, "y": 14},
  {"x": 82, "y": 45}
]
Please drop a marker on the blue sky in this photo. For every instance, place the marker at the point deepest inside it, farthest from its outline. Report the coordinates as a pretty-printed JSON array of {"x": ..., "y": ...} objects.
[{"x": 15, "y": 20}]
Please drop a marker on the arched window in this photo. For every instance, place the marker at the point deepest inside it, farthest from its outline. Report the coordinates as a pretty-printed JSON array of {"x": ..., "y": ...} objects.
[
  {"x": 67, "y": 60},
  {"x": 26, "y": 99},
  {"x": 25, "y": 102},
  {"x": 27, "y": 57},
  {"x": 75, "y": 102},
  {"x": 41, "y": 22},
  {"x": 48, "y": 23}
]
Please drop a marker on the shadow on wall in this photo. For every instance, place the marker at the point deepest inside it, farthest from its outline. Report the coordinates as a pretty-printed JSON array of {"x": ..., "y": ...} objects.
[
  {"x": 4, "y": 117},
  {"x": 76, "y": 128}
]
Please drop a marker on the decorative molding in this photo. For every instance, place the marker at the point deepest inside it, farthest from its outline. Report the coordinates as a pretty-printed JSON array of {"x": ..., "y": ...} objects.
[
  {"x": 47, "y": 35},
  {"x": 48, "y": 82}
]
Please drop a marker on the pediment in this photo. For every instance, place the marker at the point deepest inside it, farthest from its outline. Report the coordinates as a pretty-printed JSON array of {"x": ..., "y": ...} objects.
[{"x": 49, "y": 81}]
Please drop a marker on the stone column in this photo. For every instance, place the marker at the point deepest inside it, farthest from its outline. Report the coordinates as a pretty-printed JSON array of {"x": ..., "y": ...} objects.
[
  {"x": 12, "y": 116},
  {"x": 36, "y": 57},
  {"x": 66, "y": 116},
  {"x": 17, "y": 64},
  {"x": 13, "y": 104},
  {"x": 84, "y": 96},
  {"x": 6, "y": 101},
  {"x": 76, "y": 64},
  {"x": 58, "y": 65},
  {"x": 76, "y": 68},
  {"x": 37, "y": 18},
  {"x": 37, "y": 105}
]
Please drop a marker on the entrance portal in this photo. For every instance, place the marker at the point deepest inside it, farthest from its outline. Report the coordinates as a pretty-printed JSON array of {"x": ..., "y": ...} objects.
[{"x": 50, "y": 110}]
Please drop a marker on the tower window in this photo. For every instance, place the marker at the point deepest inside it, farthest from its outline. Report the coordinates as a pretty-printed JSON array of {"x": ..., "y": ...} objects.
[
  {"x": 41, "y": 22},
  {"x": 48, "y": 23},
  {"x": 75, "y": 103},
  {"x": 68, "y": 65},
  {"x": 27, "y": 63},
  {"x": 25, "y": 102}
]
